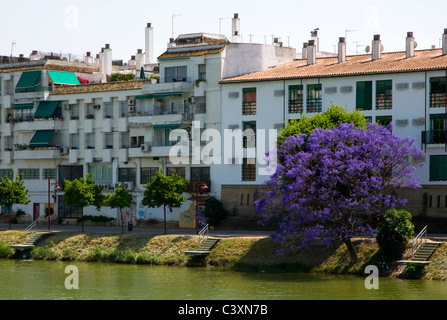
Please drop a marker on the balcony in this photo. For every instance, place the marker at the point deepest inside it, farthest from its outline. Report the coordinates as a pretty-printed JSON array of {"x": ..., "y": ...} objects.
[
  {"x": 31, "y": 124},
  {"x": 434, "y": 137},
  {"x": 37, "y": 153}
]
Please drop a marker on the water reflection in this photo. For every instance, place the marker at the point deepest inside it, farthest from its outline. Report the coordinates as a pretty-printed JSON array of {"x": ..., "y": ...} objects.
[{"x": 27, "y": 279}]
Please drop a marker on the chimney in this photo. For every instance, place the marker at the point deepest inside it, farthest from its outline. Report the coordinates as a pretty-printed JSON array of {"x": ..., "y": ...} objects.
[
  {"x": 132, "y": 61},
  {"x": 149, "y": 44},
  {"x": 139, "y": 60},
  {"x": 305, "y": 44},
  {"x": 88, "y": 58},
  {"x": 236, "y": 29},
  {"x": 410, "y": 45},
  {"x": 314, "y": 36},
  {"x": 341, "y": 50},
  {"x": 376, "y": 47},
  {"x": 105, "y": 64},
  {"x": 311, "y": 52},
  {"x": 444, "y": 42}
]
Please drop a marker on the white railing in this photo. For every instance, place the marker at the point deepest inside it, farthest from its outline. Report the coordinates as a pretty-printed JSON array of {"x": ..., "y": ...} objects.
[
  {"x": 203, "y": 234},
  {"x": 420, "y": 239},
  {"x": 29, "y": 228}
]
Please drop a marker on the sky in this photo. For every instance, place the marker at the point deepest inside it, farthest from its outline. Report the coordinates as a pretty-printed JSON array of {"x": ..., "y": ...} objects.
[{"x": 78, "y": 26}]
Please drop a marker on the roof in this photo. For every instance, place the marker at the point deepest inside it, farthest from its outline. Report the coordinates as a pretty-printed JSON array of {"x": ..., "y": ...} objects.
[
  {"x": 393, "y": 62},
  {"x": 191, "y": 51},
  {"x": 56, "y": 65},
  {"x": 100, "y": 87}
]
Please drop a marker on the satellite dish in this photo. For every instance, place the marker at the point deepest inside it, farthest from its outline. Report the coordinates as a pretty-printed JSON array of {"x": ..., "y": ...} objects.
[
  {"x": 382, "y": 48},
  {"x": 415, "y": 44},
  {"x": 367, "y": 49}
]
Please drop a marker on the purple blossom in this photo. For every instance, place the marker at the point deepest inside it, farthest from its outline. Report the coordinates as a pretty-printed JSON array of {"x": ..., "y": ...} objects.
[{"x": 330, "y": 186}]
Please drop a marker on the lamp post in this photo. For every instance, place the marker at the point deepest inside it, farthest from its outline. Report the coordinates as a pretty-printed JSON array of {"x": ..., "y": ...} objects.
[
  {"x": 199, "y": 188},
  {"x": 48, "y": 207}
]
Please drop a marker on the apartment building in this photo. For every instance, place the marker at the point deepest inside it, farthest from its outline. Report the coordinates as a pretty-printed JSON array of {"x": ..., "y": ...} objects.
[
  {"x": 53, "y": 128},
  {"x": 407, "y": 88}
]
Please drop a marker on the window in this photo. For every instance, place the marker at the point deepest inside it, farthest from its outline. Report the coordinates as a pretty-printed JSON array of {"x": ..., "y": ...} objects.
[
  {"x": 249, "y": 134},
  {"x": 437, "y": 129},
  {"x": 127, "y": 175},
  {"x": 148, "y": 175},
  {"x": 249, "y": 101},
  {"x": 384, "y": 95},
  {"x": 30, "y": 174},
  {"x": 296, "y": 99},
  {"x": 108, "y": 140},
  {"x": 249, "y": 169},
  {"x": 108, "y": 110},
  {"x": 202, "y": 172},
  {"x": 49, "y": 173},
  {"x": 438, "y": 97},
  {"x": 175, "y": 74},
  {"x": 384, "y": 121},
  {"x": 438, "y": 168},
  {"x": 364, "y": 95},
  {"x": 102, "y": 173},
  {"x": 177, "y": 170},
  {"x": 202, "y": 72},
  {"x": 136, "y": 142},
  {"x": 6, "y": 173},
  {"x": 314, "y": 100}
]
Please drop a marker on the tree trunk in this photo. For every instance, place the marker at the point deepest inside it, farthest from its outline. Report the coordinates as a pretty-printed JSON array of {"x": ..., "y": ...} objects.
[
  {"x": 122, "y": 221},
  {"x": 9, "y": 218},
  {"x": 164, "y": 209},
  {"x": 351, "y": 250},
  {"x": 82, "y": 220}
]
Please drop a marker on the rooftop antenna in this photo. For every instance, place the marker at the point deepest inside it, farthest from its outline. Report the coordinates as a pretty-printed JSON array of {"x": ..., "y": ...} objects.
[
  {"x": 346, "y": 35},
  {"x": 173, "y": 16},
  {"x": 12, "y": 48}
]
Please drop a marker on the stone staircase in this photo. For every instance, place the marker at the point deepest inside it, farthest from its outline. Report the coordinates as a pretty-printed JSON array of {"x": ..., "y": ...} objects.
[
  {"x": 204, "y": 248},
  {"x": 425, "y": 251}
]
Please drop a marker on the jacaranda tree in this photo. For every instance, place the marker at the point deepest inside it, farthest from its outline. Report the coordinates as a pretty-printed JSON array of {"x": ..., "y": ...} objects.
[{"x": 333, "y": 180}]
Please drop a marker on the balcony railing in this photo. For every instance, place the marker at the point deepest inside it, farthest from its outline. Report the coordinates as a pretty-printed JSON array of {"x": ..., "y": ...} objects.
[{"x": 434, "y": 137}]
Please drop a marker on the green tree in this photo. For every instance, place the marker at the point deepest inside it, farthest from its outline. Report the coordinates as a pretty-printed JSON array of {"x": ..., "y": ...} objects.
[
  {"x": 119, "y": 200},
  {"x": 328, "y": 119},
  {"x": 12, "y": 191},
  {"x": 164, "y": 191},
  {"x": 395, "y": 230},
  {"x": 83, "y": 193},
  {"x": 214, "y": 211}
]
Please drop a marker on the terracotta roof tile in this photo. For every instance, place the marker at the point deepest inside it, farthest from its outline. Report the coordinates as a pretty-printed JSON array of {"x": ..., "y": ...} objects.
[
  {"x": 100, "y": 87},
  {"x": 392, "y": 62}
]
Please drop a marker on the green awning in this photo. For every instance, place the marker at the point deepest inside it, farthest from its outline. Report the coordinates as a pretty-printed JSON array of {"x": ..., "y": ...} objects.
[
  {"x": 60, "y": 77},
  {"x": 46, "y": 109},
  {"x": 166, "y": 126},
  {"x": 29, "y": 79},
  {"x": 147, "y": 96},
  {"x": 42, "y": 138},
  {"x": 23, "y": 106},
  {"x": 168, "y": 94}
]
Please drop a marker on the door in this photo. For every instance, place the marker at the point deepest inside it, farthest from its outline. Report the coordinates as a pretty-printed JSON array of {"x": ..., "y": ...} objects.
[{"x": 36, "y": 211}]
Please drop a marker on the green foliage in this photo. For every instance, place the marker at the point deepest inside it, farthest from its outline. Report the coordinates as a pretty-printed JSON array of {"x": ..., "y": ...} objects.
[
  {"x": 95, "y": 218},
  {"x": 122, "y": 77},
  {"x": 164, "y": 191},
  {"x": 395, "y": 230},
  {"x": 83, "y": 192},
  {"x": 414, "y": 270},
  {"x": 214, "y": 211},
  {"x": 330, "y": 118},
  {"x": 13, "y": 191},
  {"x": 120, "y": 199}
]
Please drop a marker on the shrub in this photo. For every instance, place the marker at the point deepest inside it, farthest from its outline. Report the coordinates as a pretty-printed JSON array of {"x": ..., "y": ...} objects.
[
  {"x": 214, "y": 211},
  {"x": 395, "y": 230}
]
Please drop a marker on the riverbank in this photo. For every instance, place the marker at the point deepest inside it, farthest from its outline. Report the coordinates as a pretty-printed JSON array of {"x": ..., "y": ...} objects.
[{"x": 245, "y": 253}]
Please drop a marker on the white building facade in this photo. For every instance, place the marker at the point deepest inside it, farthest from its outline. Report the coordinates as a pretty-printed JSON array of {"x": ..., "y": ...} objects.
[{"x": 406, "y": 88}]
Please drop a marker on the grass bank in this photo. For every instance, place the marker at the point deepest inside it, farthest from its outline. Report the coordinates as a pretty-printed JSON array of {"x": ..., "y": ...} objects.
[{"x": 240, "y": 253}]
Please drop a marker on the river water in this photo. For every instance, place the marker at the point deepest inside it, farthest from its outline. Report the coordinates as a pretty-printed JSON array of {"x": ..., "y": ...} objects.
[{"x": 35, "y": 280}]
